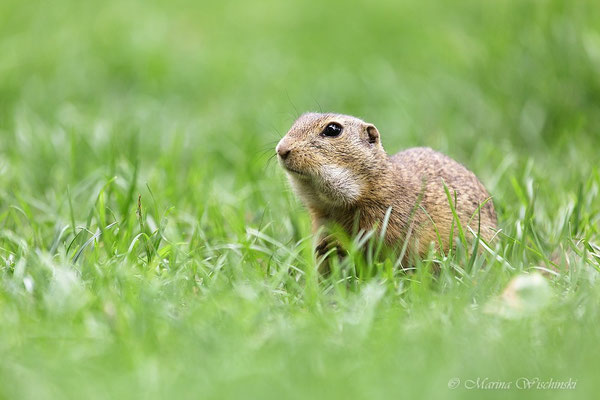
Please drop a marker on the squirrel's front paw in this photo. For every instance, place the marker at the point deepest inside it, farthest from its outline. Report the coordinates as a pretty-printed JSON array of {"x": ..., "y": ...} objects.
[{"x": 327, "y": 244}]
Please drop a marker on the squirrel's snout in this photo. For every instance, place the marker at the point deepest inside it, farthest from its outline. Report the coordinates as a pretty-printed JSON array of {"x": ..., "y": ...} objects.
[{"x": 283, "y": 151}]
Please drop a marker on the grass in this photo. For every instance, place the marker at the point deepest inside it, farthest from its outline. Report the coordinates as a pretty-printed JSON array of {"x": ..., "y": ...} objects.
[{"x": 149, "y": 249}]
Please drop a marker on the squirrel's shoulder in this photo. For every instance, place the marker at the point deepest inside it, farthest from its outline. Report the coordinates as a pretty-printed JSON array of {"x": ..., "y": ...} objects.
[
  {"x": 424, "y": 162},
  {"x": 420, "y": 155}
]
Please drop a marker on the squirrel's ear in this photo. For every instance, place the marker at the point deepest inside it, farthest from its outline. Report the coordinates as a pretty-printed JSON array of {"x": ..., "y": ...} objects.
[{"x": 372, "y": 134}]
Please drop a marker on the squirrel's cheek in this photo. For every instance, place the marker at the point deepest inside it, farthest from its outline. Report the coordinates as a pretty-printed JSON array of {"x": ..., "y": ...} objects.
[{"x": 341, "y": 185}]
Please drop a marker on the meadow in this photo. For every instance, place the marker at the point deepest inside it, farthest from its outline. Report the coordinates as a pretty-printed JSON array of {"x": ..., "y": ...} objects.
[{"x": 150, "y": 246}]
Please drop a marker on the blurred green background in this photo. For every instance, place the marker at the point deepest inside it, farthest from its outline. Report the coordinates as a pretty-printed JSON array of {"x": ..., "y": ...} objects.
[{"x": 205, "y": 290}]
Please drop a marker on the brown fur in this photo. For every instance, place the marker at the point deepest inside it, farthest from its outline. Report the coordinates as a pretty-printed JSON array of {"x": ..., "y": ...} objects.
[{"x": 351, "y": 178}]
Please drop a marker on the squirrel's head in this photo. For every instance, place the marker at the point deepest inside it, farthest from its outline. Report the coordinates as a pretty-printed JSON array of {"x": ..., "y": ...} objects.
[{"x": 331, "y": 158}]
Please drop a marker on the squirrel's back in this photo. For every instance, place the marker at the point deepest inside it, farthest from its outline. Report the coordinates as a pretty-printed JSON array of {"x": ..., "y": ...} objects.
[{"x": 431, "y": 171}]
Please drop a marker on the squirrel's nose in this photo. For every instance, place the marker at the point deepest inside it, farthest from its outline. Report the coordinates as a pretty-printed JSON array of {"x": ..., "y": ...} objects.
[{"x": 283, "y": 151}]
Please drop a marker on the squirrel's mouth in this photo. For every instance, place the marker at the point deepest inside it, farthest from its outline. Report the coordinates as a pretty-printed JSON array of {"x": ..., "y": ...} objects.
[
  {"x": 285, "y": 164},
  {"x": 295, "y": 171}
]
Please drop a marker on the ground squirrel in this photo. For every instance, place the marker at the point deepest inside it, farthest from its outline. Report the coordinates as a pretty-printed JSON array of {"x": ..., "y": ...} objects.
[{"x": 339, "y": 169}]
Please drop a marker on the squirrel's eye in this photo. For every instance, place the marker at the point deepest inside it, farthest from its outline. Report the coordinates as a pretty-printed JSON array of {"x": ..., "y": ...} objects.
[{"x": 332, "y": 130}]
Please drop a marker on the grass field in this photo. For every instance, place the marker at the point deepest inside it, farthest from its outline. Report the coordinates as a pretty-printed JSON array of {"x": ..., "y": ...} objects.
[{"x": 206, "y": 288}]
